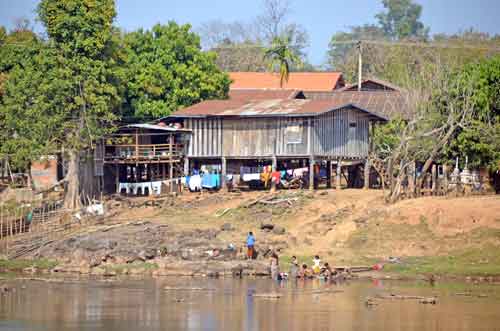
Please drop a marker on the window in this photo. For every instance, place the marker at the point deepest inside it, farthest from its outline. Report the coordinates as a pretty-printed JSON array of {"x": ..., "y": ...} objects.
[
  {"x": 352, "y": 124},
  {"x": 293, "y": 134}
]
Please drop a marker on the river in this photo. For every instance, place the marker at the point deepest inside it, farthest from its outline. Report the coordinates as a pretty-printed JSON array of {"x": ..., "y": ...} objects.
[{"x": 228, "y": 304}]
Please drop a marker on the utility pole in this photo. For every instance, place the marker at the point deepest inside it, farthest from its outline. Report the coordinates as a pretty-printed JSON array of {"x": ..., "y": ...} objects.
[{"x": 360, "y": 64}]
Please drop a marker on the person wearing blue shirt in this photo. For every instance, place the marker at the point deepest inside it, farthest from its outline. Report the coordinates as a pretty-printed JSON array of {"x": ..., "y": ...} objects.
[{"x": 250, "y": 245}]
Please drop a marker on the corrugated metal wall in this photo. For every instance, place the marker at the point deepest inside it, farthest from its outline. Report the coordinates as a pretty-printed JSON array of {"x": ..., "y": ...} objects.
[
  {"x": 206, "y": 139},
  {"x": 343, "y": 133}
]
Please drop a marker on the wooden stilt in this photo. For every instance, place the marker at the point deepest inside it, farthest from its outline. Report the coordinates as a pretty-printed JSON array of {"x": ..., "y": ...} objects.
[
  {"x": 117, "y": 179},
  {"x": 186, "y": 166},
  {"x": 274, "y": 168},
  {"x": 223, "y": 174},
  {"x": 366, "y": 174},
  {"x": 338, "y": 183},
  {"x": 311, "y": 173},
  {"x": 328, "y": 174}
]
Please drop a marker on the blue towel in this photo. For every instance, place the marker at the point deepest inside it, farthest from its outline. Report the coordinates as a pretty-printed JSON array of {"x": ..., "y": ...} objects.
[{"x": 210, "y": 181}]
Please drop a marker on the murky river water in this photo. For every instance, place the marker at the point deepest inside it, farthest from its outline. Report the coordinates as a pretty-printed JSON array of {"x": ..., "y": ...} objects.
[{"x": 226, "y": 304}]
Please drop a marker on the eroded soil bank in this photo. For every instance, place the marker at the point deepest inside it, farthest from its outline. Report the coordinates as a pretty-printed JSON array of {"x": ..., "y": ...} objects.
[{"x": 204, "y": 235}]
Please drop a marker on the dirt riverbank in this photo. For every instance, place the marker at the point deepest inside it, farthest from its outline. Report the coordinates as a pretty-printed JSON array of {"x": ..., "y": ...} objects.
[{"x": 204, "y": 234}]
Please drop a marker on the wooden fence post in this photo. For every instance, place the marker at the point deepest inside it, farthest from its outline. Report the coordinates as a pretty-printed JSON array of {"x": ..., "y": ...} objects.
[{"x": 434, "y": 179}]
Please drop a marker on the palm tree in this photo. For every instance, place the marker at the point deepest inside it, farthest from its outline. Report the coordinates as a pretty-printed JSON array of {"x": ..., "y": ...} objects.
[{"x": 281, "y": 55}]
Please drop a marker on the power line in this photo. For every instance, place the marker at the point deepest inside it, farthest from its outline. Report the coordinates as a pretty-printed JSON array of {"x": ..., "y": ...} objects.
[{"x": 414, "y": 44}]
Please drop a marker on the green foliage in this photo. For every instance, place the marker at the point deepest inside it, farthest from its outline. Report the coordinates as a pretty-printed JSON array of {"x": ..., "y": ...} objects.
[
  {"x": 282, "y": 57},
  {"x": 481, "y": 141},
  {"x": 341, "y": 55},
  {"x": 386, "y": 137},
  {"x": 402, "y": 20},
  {"x": 167, "y": 70},
  {"x": 63, "y": 95}
]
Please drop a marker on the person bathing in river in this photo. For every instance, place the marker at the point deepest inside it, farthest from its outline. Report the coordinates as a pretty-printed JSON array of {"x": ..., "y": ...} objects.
[
  {"x": 274, "y": 264},
  {"x": 305, "y": 272},
  {"x": 316, "y": 265},
  {"x": 326, "y": 271},
  {"x": 250, "y": 245},
  {"x": 294, "y": 268}
]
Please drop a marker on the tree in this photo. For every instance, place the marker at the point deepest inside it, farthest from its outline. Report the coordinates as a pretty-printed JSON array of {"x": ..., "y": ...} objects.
[
  {"x": 401, "y": 20},
  {"x": 17, "y": 48},
  {"x": 282, "y": 57},
  {"x": 167, "y": 70},
  {"x": 241, "y": 46},
  {"x": 342, "y": 50},
  {"x": 79, "y": 81},
  {"x": 481, "y": 141},
  {"x": 439, "y": 102}
]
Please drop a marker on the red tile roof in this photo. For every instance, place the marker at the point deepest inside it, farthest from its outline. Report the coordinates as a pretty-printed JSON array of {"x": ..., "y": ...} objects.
[{"x": 304, "y": 81}]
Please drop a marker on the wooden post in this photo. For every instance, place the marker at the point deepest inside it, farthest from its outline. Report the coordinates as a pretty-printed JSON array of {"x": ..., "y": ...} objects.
[
  {"x": 1, "y": 221},
  {"x": 411, "y": 179},
  {"x": 274, "y": 168},
  {"x": 329, "y": 174},
  {"x": 366, "y": 174},
  {"x": 360, "y": 65},
  {"x": 311, "y": 173},
  {"x": 434, "y": 179},
  {"x": 338, "y": 184},
  {"x": 117, "y": 178},
  {"x": 445, "y": 179},
  {"x": 186, "y": 166},
  {"x": 136, "y": 144},
  {"x": 223, "y": 173}
]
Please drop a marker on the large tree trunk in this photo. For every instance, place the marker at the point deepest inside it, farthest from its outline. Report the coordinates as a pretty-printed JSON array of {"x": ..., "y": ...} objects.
[{"x": 72, "y": 199}]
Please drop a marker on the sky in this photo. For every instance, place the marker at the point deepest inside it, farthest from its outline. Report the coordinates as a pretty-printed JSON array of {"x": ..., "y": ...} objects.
[{"x": 321, "y": 18}]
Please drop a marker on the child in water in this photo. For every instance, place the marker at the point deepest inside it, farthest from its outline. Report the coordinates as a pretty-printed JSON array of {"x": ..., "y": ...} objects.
[{"x": 316, "y": 265}]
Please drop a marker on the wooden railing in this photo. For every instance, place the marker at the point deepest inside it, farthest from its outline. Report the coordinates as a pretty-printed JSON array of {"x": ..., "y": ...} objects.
[{"x": 143, "y": 152}]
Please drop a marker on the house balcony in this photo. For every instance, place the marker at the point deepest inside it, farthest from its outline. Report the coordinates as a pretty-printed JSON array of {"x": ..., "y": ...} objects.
[{"x": 143, "y": 153}]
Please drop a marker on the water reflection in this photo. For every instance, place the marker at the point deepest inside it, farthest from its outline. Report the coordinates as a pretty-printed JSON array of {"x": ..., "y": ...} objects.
[{"x": 304, "y": 305}]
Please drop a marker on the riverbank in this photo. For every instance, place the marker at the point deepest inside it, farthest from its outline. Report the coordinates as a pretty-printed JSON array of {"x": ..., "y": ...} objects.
[{"x": 204, "y": 234}]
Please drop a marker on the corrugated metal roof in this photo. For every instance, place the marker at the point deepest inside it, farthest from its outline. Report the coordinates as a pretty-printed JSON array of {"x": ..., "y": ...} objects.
[
  {"x": 305, "y": 81},
  {"x": 386, "y": 104},
  {"x": 267, "y": 108},
  {"x": 156, "y": 127},
  {"x": 259, "y": 94}
]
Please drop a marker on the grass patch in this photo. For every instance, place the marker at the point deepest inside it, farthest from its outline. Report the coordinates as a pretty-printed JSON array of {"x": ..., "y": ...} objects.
[
  {"x": 19, "y": 265},
  {"x": 471, "y": 262},
  {"x": 120, "y": 268}
]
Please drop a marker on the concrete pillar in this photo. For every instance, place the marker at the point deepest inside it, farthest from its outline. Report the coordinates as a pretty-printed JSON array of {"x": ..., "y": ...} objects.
[
  {"x": 223, "y": 173},
  {"x": 366, "y": 169},
  {"x": 311, "y": 173},
  {"x": 338, "y": 184}
]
